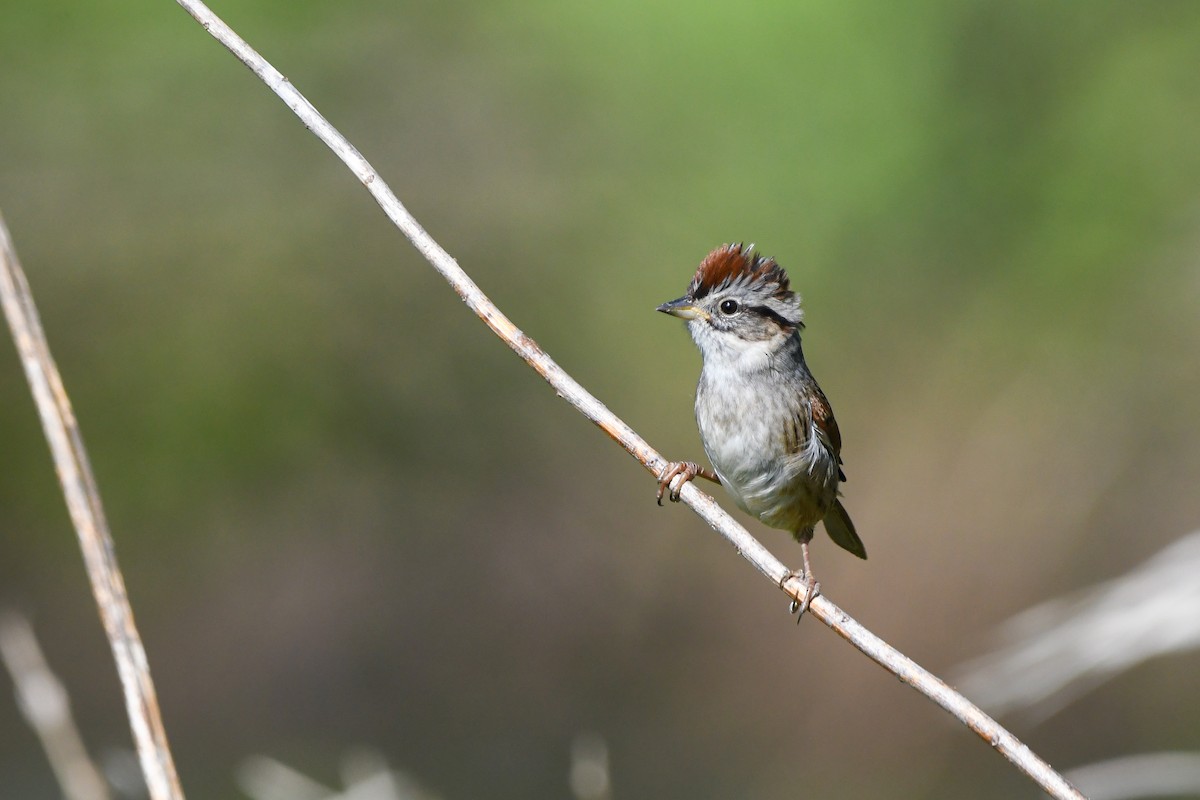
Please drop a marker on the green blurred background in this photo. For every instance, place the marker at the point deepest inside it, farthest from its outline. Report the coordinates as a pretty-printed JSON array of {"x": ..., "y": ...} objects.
[{"x": 348, "y": 515}]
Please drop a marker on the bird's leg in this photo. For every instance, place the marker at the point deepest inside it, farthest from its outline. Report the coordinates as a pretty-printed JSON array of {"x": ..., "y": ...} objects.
[
  {"x": 680, "y": 472},
  {"x": 811, "y": 586}
]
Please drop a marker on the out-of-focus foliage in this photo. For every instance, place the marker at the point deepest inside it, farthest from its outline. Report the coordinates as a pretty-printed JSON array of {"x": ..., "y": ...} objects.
[{"x": 349, "y": 515}]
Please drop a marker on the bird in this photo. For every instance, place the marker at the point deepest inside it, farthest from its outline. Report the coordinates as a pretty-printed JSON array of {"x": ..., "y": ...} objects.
[{"x": 767, "y": 428}]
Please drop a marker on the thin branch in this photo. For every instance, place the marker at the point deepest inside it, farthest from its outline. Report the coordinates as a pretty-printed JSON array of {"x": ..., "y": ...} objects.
[
  {"x": 87, "y": 513},
  {"x": 44, "y": 703},
  {"x": 570, "y": 390}
]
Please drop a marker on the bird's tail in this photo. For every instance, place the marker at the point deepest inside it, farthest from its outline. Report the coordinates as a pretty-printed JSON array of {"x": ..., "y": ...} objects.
[{"x": 841, "y": 530}]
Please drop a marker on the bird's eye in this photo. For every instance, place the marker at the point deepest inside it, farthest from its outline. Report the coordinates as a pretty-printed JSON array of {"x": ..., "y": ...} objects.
[{"x": 729, "y": 307}]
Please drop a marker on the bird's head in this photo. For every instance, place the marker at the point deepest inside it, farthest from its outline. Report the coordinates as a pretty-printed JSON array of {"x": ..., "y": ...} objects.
[{"x": 738, "y": 305}]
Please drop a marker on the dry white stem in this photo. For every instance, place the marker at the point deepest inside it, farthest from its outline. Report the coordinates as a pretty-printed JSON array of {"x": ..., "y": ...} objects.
[
  {"x": 1143, "y": 775},
  {"x": 44, "y": 703},
  {"x": 1054, "y": 652},
  {"x": 571, "y": 391},
  {"x": 365, "y": 775},
  {"x": 263, "y": 778},
  {"x": 87, "y": 514},
  {"x": 590, "y": 777}
]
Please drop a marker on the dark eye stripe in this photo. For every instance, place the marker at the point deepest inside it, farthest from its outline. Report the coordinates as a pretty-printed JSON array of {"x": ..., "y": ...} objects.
[{"x": 772, "y": 314}]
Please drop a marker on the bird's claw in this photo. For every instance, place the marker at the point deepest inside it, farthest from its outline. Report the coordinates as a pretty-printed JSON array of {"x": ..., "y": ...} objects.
[
  {"x": 812, "y": 590},
  {"x": 684, "y": 471}
]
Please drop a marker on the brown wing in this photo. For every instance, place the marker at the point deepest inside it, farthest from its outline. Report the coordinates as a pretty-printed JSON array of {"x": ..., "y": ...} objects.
[
  {"x": 814, "y": 412},
  {"x": 827, "y": 428}
]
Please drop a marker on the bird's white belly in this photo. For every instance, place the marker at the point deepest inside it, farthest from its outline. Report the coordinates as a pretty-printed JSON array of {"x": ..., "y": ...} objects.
[{"x": 791, "y": 491}]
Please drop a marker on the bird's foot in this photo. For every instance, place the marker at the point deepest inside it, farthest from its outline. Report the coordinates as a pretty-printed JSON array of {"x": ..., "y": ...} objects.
[
  {"x": 675, "y": 475},
  {"x": 812, "y": 588}
]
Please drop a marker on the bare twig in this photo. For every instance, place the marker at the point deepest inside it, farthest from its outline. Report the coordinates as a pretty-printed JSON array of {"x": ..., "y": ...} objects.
[
  {"x": 44, "y": 704},
  {"x": 83, "y": 503}
]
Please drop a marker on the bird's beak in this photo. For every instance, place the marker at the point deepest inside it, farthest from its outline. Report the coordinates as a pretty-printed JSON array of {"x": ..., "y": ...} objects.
[{"x": 684, "y": 308}]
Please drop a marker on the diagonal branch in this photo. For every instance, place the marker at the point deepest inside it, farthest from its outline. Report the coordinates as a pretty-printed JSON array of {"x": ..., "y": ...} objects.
[
  {"x": 87, "y": 514},
  {"x": 571, "y": 391}
]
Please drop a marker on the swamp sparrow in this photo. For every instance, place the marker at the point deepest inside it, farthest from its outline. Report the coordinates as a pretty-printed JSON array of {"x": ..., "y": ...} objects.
[{"x": 765, "y": 424}]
